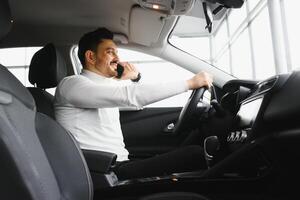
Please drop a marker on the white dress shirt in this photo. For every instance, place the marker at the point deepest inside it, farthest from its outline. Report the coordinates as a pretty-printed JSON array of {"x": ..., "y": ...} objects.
[{"x": 87, "y": 105}]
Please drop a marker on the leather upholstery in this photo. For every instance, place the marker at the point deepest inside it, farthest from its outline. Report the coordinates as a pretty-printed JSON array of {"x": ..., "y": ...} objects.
[
  {"x": 99, "y": 161},
  {"x": 39, "y": 159},
  {"x": 44, "y": 101},
  {"x": 65, "y": 158},
  {"x": 47, "y": 67},
  {"x": 16, "y": 90}
]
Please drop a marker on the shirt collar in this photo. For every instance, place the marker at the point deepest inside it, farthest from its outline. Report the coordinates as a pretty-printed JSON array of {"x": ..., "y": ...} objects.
[{"x": 95, "y": 77}]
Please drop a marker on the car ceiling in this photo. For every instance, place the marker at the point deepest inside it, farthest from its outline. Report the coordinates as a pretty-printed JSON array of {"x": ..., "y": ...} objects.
[{"x": 36, "y": 22}]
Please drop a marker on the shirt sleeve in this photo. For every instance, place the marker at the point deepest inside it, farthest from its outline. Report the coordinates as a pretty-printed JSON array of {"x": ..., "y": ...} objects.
[{"x": 84, "y": 93}]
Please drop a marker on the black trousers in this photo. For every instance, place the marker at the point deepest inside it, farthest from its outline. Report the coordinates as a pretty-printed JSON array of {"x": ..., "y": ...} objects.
[{"x": 189, "y": 158}]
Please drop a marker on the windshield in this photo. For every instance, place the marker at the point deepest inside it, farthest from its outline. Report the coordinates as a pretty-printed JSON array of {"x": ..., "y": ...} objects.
[{"x": 253, "y": 42}]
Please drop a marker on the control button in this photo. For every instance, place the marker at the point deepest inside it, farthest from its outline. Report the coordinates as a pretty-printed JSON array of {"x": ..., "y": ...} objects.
[
  {"x": 230, "y": 137},
  {"x": 244, "y": 135},
  {"x": 237, "y": 136}
]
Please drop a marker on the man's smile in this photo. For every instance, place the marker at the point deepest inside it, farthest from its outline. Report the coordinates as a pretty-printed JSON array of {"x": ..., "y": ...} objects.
[{"x": 114, "y": 64}]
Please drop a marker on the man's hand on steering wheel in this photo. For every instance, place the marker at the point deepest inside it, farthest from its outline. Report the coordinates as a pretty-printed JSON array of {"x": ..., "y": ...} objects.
[
  {"x": 199, "y": 83},
  {"x": 201, "y": 79}
]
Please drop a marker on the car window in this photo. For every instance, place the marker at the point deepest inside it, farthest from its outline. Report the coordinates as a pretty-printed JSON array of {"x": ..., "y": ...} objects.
[
  {"x": 153, "y": 69},
  {"x": 242, "y": 42},
  {"x": 17, "y": 61}
]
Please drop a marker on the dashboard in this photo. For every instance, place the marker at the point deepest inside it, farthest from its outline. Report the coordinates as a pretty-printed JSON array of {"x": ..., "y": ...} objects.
[{"x": 262, "y": 106}]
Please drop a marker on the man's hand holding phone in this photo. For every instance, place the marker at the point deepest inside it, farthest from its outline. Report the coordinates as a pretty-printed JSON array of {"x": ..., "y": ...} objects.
[{"x": 128, "y": 72}]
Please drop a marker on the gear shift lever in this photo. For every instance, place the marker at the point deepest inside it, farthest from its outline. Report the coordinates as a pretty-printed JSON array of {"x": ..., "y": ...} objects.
[{"x": 211, "y": 148}]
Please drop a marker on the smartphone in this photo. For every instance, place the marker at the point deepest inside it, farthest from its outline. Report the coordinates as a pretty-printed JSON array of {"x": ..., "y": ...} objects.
[{"x": 120, "y": 70}]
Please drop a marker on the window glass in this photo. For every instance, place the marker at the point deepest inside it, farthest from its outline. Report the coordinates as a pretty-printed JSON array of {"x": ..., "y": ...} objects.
[
  {"x": 223, "y": 62},
  {"x": 134, "y": 56},
  {"x": 20, "y": 74},
  {"x": 263, "y": 47},
  {"x": 236, "y": 17},
  {"x": 221, "y": 38},
  {"x": 241, "y": 57},
  {"x": 197, "y": 46},
  {"x": 253, "y": 3},
  {"x": 13, "y": 57},
  {"x": 17, "y": 56},
  {"x": 292, "y": 20},
  {"x": 17, "y": 61},
  {"x": 232, "y": 51}
]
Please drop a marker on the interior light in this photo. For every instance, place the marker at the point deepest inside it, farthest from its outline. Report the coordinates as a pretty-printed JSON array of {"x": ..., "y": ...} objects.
[{"x": 155, "y": 6}]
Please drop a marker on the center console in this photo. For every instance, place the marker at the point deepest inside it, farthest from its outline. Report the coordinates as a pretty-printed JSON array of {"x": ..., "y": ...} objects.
[{"x": 245, "y": 119}]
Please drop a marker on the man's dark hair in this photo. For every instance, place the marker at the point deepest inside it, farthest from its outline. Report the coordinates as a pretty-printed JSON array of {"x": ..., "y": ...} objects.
[{"x": 90, "y": 41}]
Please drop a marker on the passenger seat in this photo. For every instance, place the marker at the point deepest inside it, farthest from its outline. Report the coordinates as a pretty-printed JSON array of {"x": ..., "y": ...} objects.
[{"x": 46, "y": 70}]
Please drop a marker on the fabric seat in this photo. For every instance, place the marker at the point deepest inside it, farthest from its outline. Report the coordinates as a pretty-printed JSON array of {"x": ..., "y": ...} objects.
[
  {"x": 46, "y": 70},
  {"x": 39, "y": 159}
]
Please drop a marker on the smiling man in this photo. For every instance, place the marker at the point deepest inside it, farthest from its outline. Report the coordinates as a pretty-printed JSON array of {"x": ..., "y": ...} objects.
[{"x": 87, "y": 106}]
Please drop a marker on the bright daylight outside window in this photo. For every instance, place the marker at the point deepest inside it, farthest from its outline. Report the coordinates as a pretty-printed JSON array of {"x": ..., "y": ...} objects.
[
  {"x": 20, "y": 66},
  {"x": 241, "y": 42},
  {"x": 292, "y": 14},
  {"x": 153, "y": 69}
]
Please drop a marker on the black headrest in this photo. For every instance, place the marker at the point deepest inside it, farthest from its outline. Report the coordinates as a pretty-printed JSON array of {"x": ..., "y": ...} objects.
[
  {"x": 11, "y": 85},
  {"x": 47, "y": 67},
  {"x": 5, "y": 18}
]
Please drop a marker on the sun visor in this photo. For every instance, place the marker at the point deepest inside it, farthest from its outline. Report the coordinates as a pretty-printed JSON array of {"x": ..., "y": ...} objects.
[
  {"x": 5, "y": 18},
  {"x": 145, "y": 26}
]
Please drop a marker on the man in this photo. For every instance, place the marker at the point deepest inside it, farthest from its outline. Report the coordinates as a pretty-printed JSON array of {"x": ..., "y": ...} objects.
[{"x": 87, "y": 106}]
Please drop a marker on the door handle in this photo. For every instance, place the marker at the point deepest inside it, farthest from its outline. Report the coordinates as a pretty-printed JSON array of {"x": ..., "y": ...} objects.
[{"x": 169, "y": 128}]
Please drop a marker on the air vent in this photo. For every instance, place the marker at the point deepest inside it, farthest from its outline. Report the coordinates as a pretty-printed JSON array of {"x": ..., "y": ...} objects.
[{"x": 266, "y": 85}]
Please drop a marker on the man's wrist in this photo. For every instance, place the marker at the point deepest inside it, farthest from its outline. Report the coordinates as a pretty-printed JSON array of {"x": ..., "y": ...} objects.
[
  {"x": 190, "y": 84},
  {"x": 137, "y": 78}
]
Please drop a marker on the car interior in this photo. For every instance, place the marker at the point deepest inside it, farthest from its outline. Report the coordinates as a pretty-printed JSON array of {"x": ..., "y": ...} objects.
[{"x": 248, "y": 128}]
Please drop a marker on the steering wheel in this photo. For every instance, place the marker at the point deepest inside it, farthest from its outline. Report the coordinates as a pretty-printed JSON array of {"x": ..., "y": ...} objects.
[{"x": 190, "y": 110}]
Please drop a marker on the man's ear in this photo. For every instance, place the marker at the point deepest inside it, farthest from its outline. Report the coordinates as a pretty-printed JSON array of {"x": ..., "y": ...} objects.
[{"x": 90, "y": 57}]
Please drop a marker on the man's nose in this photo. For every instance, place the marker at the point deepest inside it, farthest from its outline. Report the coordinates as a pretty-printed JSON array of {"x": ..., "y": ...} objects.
[
  {"x": 116, "y": 57},
  {"x": 115, "y": 54}
]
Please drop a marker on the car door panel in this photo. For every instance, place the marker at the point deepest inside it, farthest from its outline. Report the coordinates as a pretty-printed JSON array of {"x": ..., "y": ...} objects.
[{"x": 145, "y": 131}]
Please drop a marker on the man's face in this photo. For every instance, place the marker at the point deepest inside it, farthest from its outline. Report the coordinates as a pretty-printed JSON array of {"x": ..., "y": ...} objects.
[{"x": 107, "y": 58}]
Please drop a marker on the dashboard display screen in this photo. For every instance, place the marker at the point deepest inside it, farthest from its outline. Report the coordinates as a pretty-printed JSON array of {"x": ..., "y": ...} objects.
[{"x": 248, "y": 112}]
